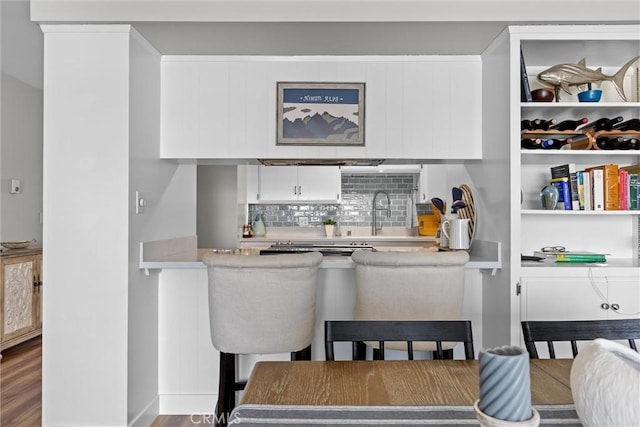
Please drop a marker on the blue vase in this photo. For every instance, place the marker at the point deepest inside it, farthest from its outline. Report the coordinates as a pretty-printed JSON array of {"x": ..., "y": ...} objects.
[
  {"x": 549, "y": 196},
  {"x": 505, "y": 388}
]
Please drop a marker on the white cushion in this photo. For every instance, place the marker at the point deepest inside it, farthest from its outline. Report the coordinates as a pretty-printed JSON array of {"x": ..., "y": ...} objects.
[
  {"x": 262, "y": 304},
  {"x": 409, "y": 286},
  {"x": 605, "y": 383}
]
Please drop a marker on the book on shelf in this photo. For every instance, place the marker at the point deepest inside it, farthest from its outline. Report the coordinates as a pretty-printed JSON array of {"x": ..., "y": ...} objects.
[
  {"x": 632, "y": 188},
  {"x": 634, "y": 192},
  {"x": 588, "y": 190},
  {"x": 568, "y": 257},
  {"x": 623, "y": 190},
  {"x": 597, "y": 179},
  {"x": 564, "y": 193},
  {"x": 525, "y": 89},
  {"x": 610, "y": 192},
  {"x": 572, "y": 256},
  {"x": 568, "y": 171}
]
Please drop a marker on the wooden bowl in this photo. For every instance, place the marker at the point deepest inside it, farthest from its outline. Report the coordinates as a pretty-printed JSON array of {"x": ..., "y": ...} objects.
[{"x": 542, "y": 95}]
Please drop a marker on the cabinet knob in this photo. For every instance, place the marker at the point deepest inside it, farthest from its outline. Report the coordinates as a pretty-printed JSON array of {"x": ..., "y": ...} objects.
[
  {"x": 615, "y": 307},
  {"x": 604, "y": 306}
]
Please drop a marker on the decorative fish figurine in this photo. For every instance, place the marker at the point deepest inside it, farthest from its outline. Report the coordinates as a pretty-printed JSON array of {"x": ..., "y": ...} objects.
[{"x": 565, "y": 75}]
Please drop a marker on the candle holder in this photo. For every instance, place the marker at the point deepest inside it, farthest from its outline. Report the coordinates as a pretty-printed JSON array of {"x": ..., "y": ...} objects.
[
  {"x": 488, "y": 421},
  {"x": 505, "y": 388}
]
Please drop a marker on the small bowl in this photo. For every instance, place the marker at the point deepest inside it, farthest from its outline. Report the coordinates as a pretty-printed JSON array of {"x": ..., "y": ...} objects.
[
  {"x": 593, "y": 95},
  {"x": 542, "y": 95}
]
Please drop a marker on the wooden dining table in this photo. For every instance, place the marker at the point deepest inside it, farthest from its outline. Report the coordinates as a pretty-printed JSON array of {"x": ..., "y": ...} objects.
[{"x": 398, "y": 384}]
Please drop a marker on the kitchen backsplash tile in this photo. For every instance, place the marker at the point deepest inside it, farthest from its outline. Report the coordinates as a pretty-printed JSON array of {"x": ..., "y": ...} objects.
[{"x": 355, "y": 209}]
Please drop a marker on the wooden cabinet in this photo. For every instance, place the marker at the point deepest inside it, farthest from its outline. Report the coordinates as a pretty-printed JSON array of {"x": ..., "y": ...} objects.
[
  {"x": 20, "y": 297},
  {"x": 297, "y": 184}
]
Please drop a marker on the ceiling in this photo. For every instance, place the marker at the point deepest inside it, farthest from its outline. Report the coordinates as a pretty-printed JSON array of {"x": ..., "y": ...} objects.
[
  {"x": 324, "y": 38},
  {"x": 321, "y": 38},
  {"x": 330, "y": 27}
]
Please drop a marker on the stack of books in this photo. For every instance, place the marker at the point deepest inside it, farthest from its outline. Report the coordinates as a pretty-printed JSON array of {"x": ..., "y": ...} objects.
[
  {"x": 572, "y": 256},
  {"x": 604, "y": 187}
]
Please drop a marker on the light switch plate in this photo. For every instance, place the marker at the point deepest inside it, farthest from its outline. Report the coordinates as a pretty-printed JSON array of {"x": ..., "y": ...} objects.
[
  {"x": 140, "y": 203},
  {"x": 16, "y": 186}
]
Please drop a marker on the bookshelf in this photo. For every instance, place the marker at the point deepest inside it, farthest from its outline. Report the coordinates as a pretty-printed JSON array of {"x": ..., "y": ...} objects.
[{"x": 537, "y": 290}]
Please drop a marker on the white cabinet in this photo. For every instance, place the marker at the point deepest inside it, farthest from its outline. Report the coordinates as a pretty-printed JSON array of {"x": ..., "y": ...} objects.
[
  {"x": 579, "y": 295},
  {"x": 299, "y": 183},
  {"x": 252, "y": 177},
  {"x": 423, "y": 187}
]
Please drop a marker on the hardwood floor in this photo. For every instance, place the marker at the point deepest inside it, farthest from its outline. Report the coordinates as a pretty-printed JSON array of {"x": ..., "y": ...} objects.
[
  {"x": 21, "y": 391},
  {"x": 21, "y": 385}
]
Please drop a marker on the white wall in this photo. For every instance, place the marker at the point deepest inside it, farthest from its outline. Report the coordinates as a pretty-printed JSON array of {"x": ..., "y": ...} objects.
[
  {"x": 101, "y": 122},
  {"x": 492, "y": 178},
  {"x": 86, "y": 233},
  {"x": 217, "y": 224},
  {"x": 21, "y": 47},
  {"x": 225, "y": 107}
]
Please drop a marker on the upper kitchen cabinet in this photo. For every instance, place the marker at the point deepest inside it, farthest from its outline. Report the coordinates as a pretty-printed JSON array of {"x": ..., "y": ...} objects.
[
  {"x": 294, "y": 184},
  {"x": 416, "y": 107}
]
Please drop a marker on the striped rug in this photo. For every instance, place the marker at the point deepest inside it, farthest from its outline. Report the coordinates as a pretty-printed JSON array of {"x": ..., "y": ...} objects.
[{"x": 305, "y": 416}]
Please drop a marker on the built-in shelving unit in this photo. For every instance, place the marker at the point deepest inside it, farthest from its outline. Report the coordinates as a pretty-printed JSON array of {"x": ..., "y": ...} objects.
[{"x": 614, "y": 233}]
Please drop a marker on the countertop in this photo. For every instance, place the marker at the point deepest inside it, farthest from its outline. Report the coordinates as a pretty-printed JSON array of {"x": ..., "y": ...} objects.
[{"x": 183, "y": 253}]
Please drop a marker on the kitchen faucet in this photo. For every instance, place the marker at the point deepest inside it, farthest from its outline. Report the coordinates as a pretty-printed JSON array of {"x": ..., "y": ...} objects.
[{"x": 374, "y": 211}]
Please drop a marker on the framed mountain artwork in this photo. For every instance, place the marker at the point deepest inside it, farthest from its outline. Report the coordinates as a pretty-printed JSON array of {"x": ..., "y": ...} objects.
[{"x": 320, "y": 114}]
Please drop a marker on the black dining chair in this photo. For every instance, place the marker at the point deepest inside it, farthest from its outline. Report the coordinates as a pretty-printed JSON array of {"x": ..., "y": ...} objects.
[
  {"x": 577, "y": 330},
  {"x": 358, "y": 332}
]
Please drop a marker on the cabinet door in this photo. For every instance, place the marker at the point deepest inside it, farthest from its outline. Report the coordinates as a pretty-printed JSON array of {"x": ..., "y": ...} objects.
[
  {"x": 624, "y": 298},
  {"x": 278, "y": 183},
  {"x": 563, "y": 298},
  {"x": 252, "y": 176},
  {"x": 37, "y": 291},
  {"x": 17, "y": 297},
  {"x": 423, "y": 189},
  {"x": 319, "y": 183}
]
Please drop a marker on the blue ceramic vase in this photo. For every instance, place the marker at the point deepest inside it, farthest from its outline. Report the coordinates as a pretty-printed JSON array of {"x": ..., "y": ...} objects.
[
  {"x": 549, "y": 196},
  {"x": 505, "y": 383}
]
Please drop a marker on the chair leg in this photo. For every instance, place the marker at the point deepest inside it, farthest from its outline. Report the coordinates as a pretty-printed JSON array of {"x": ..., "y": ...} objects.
[
  {"x": 446, "y": 355},
  {"x": 226, "y": 388},
  {"x": 304, "y": 354},
  {"x": 360, "y": 351}
]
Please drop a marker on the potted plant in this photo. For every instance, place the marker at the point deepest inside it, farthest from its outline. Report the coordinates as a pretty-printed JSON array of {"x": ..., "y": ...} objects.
[{"x": 329, "y": 227}]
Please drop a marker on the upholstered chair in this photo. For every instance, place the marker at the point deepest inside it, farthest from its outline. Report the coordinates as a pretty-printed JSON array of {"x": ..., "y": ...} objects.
[
  {"x": 605, "y": 384},
  {"x": 259, "y": 305},
  {"x": 410, "y": 286}
]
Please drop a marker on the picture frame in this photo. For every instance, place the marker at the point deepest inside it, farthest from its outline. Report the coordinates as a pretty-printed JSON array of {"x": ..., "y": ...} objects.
[{"x": 310, "y": 113}]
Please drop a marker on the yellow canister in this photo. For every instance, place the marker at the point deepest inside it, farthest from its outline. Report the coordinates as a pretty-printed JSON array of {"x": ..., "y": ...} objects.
[{"x": 428, "y": 224}]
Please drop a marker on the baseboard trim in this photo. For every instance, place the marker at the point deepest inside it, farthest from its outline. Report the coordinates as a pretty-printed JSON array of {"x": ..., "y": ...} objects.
[
  {"x": 148, "y": 414},
  {"x": 188, "y": 404}
]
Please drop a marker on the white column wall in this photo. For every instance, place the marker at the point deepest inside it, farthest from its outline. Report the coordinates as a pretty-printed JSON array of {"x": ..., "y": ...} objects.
[
  {"x": 86, "y": 203},
  {"x": 102, "y": 132}
]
